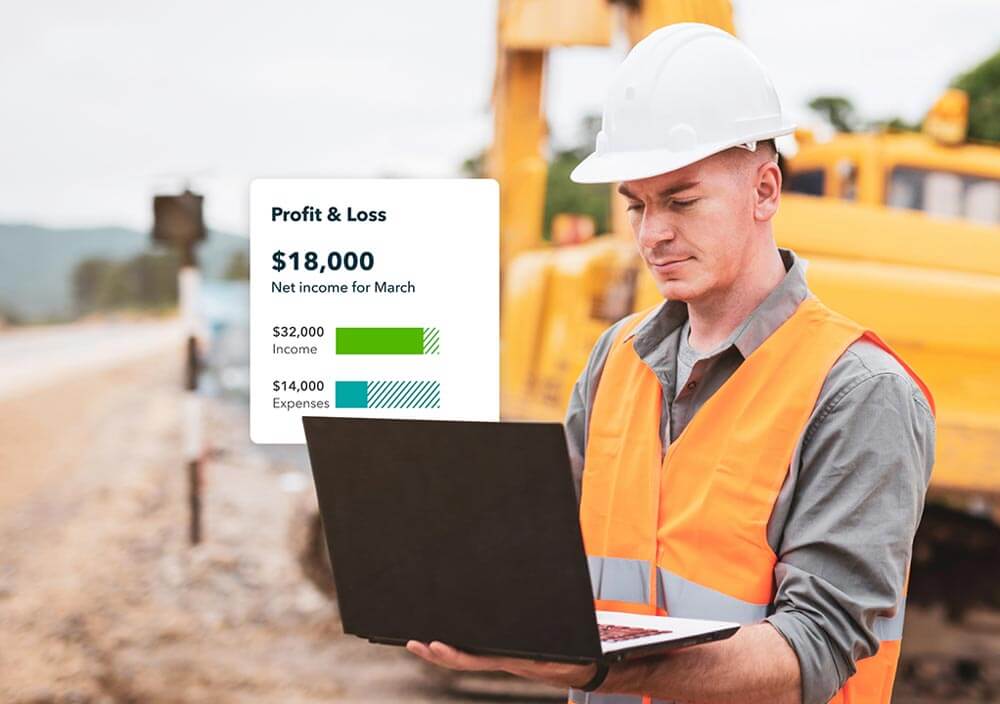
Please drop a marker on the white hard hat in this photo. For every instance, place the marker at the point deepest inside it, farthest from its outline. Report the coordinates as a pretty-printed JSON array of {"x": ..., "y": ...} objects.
[{"x": 686, "y": 91}]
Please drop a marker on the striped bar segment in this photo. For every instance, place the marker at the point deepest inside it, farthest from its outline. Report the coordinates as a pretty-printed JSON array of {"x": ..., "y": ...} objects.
[
  {"x": 388, "y": 394},
  {"x": 432, "y": 341},
  {"x": 388, "y": 341}
]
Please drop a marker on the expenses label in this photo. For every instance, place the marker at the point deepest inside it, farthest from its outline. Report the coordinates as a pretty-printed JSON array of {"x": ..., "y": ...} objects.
[{"x": 373, "y": 298}]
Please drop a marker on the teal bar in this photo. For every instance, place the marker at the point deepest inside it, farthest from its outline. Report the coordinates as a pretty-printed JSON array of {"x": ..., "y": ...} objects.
[{"x": 351, "y": 394}]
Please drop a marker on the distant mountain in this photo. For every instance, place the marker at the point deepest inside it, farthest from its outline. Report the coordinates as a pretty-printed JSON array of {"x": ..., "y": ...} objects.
[{"x": 36, "y": 263}]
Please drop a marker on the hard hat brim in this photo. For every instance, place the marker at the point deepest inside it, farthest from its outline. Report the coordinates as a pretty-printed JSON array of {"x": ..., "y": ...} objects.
[{"x": 632, "y": 165}]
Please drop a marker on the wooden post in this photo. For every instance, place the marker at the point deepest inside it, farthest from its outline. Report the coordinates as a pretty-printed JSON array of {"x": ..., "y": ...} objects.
[{"x": 178, "y": 222}]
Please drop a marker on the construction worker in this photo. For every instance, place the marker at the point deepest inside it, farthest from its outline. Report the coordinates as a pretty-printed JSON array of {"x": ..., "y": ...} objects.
[{"x": 743, "y": 452}]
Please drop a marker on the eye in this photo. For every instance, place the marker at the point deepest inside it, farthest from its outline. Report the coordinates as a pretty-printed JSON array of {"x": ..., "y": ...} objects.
[
  {"x": 685, "y": 203},
  {"x": 634, "y": 206}
]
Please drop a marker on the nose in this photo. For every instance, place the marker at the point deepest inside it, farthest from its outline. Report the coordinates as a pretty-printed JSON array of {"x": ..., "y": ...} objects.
[{"x": 653, "y": 229}]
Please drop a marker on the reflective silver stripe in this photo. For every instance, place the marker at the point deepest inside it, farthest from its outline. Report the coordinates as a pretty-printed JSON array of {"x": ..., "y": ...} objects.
[
  {"x": 891, "y": 628},
  {"x": 686, "y": 599},
  {"x": 619, "y": 579},
  {"x": 624, "y": 579},
  {"x": 580, "y": 697}
]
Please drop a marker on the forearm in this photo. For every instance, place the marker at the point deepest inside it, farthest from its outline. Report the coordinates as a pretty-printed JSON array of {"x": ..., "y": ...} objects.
[{"x": 754, "y": 665}]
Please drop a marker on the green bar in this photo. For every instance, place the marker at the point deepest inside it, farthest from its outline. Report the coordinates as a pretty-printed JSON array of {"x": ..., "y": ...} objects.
[
  {"x": 380, "y": 340},
  {"x": 352, "y": 394}
]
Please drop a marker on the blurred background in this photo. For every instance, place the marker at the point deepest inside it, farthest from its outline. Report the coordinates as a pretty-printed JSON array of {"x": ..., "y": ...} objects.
[{"x": 150, "y": 553}]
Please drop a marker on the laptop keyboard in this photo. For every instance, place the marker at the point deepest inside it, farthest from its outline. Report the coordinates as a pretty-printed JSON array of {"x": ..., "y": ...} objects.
[{"x": 615, "y": 634}]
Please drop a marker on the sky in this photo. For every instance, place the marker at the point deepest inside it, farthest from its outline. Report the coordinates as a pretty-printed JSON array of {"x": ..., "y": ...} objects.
[{"x": 104, "y": 103}]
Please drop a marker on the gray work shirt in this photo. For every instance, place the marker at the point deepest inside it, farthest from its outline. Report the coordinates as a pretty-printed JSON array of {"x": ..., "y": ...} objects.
[{"x": 843, "y": 524}]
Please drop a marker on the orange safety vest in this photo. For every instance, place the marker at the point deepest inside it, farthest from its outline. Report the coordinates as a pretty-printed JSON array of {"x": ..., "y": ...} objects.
[{"x": 687, "y": 534}]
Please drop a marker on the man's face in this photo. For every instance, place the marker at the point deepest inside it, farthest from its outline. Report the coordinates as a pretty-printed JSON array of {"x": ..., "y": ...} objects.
[{"x": 693, "y": 226}]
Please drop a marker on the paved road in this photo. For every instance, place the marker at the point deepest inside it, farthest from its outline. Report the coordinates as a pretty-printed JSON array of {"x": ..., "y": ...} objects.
[{"x": 35, "y": 357}]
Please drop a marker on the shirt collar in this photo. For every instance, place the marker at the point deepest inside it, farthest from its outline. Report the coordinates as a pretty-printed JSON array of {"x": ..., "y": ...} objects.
[{"x": 750, "y": 334}]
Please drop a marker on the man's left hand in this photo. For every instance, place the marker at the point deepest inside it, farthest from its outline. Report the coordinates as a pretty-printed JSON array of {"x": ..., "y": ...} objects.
[{"x": 554, "y": 673}]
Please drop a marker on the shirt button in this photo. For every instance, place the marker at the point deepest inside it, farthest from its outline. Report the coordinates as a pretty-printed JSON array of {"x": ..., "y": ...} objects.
[{"x": 691, "y": 385}]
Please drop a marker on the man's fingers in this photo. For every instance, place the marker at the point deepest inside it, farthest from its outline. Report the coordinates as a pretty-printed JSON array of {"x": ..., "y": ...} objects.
[
  {"x": 443, "y": 651},
  {"x": 444, "y": 655},
  {"x": 417, "y": 648},
  {"x": 422, "y": 651},
  {"x": 447, "y": 656},
  {"x": 463, "y": 661}
]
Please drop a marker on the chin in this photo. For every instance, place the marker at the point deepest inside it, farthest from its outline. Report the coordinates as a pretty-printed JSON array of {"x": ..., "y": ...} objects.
[{"x": 677, "y": 290}]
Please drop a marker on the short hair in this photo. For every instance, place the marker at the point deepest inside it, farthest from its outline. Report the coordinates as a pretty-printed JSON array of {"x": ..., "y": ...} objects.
[{"x": 771, "y": 146}]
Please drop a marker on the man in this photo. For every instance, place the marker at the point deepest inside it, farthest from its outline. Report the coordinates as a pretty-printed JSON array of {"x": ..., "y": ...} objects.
[{"x": 743, "y": 452}]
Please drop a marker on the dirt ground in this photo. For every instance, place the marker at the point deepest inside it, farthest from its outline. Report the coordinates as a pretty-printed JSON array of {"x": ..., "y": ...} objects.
[
  {"x": 101, "y": 598},
  {"x": 103, "y": 601}
]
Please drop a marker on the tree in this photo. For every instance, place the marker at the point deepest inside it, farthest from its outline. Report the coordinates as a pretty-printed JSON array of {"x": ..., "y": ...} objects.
[
  {"x": 147, "y": 280},
  {"x": 151, "y": 279},
  {"x": 561, "y": 194},
  {"x": 475, "y": 165},
  {"x": 564, "y": 196},
  {"x": 238, "y": 267},
  {"x": 982, "y": 83},
  {"x": 839, "y": 112},
  {"x": 91, "y": 279},
  {"x": 898, "y": 124}
]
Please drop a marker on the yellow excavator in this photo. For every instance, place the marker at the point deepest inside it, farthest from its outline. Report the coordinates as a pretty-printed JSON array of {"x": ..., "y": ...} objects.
[{"x": 901, "y": 231}]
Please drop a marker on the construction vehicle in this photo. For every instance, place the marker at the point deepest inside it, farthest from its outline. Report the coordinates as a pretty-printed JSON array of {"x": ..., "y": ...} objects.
[{"x": 901, "y": 232}]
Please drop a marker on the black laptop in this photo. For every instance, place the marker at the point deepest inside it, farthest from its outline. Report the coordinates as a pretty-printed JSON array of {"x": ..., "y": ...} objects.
[{"x": 468, "y": 533}]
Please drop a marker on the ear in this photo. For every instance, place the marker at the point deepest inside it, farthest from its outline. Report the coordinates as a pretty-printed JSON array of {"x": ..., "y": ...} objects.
[{"x": 767, "y": 191}]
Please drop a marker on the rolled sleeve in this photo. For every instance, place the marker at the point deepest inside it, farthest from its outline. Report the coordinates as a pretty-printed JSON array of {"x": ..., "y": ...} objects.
[{"x": 844, "y": 555}]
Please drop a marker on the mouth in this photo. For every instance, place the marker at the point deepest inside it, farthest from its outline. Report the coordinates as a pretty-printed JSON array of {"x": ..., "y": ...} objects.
[{"x": 668, "y": 266}]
